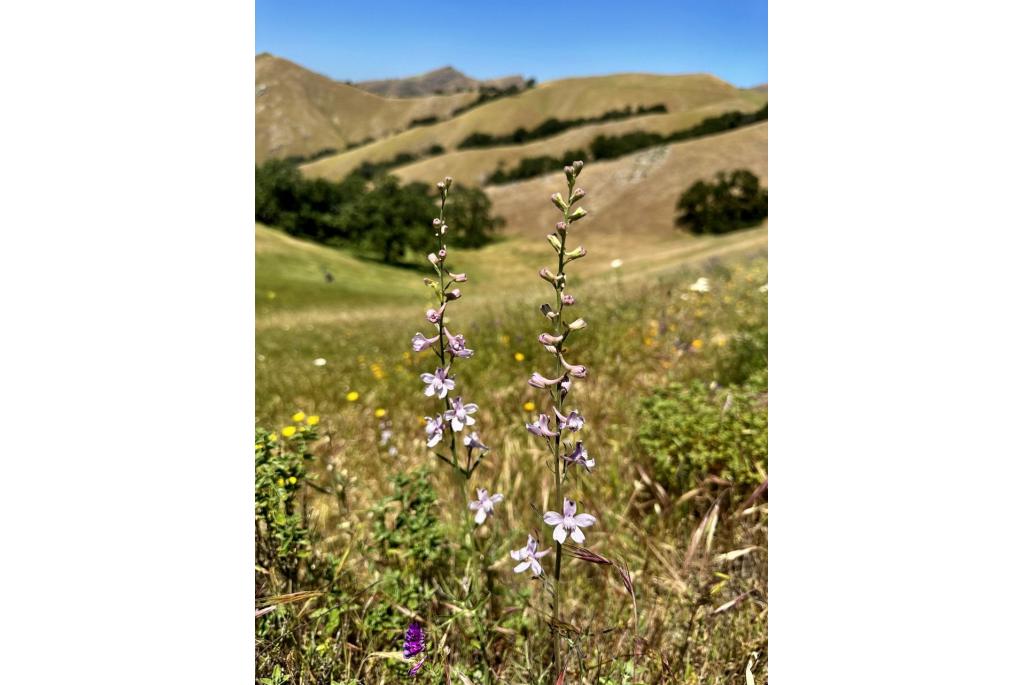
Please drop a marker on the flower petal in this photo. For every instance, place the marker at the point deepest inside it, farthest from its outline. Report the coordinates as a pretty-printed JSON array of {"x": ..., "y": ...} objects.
[
  {"x": 523, "y": 566},
  {"x": 552, "y": 518},
  {"x": 577, "y": 535},
  {"x": 559, "y": 534},
  {"x": 481, "y": 516},
  {"x": 584, "y": 520}
]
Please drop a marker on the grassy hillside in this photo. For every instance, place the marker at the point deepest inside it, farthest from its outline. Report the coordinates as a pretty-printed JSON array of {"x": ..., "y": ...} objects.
[
  {"x": 689, "y": 98},
  {"x": 299, "y": 112}
]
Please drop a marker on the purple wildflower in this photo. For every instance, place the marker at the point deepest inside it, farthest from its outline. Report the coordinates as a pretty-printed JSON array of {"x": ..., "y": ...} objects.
[
  {"x": 459, "y": 414},
  {"x": 416, "y": 668},
  {"x": 472, "y": 441},
  {"x": 414, "y": 644},
  {"x": 437, "y": 382},
  {"x": 575, "y": 370},
  {"x": 434, "y": 315},
  {"x": 528, "y": 556},
  {"x": 435, "y": 429},
  {"x": 548, "y": 339},
  {"x": 484, "y": 504},
  {"x": 414, "y": 640},
  {"x": 579, "y": 456},
  {"x": 457, "y": 345},
  {"x": 568, "y": 300},
  {"x": 568, "y": 523},
  {"x": 540, "y": 427},
  {"x": 539, "y": 381},
  {"x": 574, "y": 421},
  {"x": 420, "y": 342},
  {"x": 458, "y": 278}
]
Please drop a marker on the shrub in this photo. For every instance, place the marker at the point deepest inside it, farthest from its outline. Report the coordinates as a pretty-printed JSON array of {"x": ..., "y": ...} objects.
[
  {"x": 732, "y": 201},
  {"x": 693, "y": 431}
]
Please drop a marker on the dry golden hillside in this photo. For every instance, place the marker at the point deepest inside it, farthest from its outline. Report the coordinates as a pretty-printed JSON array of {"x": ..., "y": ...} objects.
[
  {"x": 633, "y": 198},
  {"x": 299, "y": 112},
  {"x": 565, "y": 99},
  {"x": 445, "y": 80}
]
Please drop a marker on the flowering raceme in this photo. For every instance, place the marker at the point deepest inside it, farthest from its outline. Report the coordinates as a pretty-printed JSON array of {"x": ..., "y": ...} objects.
[
  {"x": 565, "y": 448},
  {"x": 448, "y": 346}
]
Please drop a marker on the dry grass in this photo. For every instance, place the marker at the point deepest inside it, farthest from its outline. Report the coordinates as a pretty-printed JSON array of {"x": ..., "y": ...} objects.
[
  {"x": 299, "y": 112},
  {"x": 565, "y": 99}
]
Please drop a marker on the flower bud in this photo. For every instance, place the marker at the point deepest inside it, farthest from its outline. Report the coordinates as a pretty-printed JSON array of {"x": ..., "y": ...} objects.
[
  {"x": 546, "y": 274},
  {"x": 577, "y": 195},
  {"x": 555, "y": 242},
  {"x": 577, "y": 325},
  {"x": 432, "y": 258},
  {"x": 442, "y": 253},
  {"x": 548, "y": 339},
  {"x": 546, "y": 310},
  {"x": 577, "y": 215},
  {"x": 447, "y": 182},
  {"x": 437, "y": 223},
  {"x": 551, "y": 348},
  {"x": 561, "y": 226},
  {"x": 454, "y": 294},
  {"x": 559, "y": 202},
  {"x": 458, "y": 278},
  {"x": 444, "y": 228},
  {"x": 577, "y": 167},
  {"x": 569, "y": 173},
  {"x": 576, "y": 254},
  {"x": 568, "y": 300},
  {"x": 440, "y": 186}
]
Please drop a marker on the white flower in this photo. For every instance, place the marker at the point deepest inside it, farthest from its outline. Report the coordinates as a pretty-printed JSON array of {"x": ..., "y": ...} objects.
[
  {"x": 568, "y": 523},
  {"x": 616, "y": 263},
  {"x": 319, "y": 361},
  {"x": 528, "y": 557},
  {"x": 701, "y": 285},
  {"x": 484, "y": 504}
]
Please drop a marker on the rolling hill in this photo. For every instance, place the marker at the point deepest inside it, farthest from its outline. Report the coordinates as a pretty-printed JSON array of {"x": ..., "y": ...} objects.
[
  {"x": 443, "y": 81},
  {"x": 299, "y": 112},
  {"x": 688, "y": 98}
]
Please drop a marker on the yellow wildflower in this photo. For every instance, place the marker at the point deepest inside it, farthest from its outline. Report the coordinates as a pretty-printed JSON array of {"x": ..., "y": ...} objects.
[
  {"x": 293, "y": 480},
  {"x": 288, "y": 431},
  {"x": 280, "y": 482},
  {"x": 313, "y": 420},
  {"x": 519, "y": 356},
  {"x": 298, "y": 416},
  {"x": 352, "y": 396},
  {"x": 529, "y": 406},
  {"x": 697, "y": 344},
  {"x": 273, "y": 437},
  {"x": 380, "y": 413}
]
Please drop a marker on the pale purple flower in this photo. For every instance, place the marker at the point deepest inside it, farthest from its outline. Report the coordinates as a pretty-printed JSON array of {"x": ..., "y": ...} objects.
[
  {"x": 574, "y": 421},
  {"x": 457, "y": 344},
  {"x": 472, "y": 441},
  {"x": 568, "y": 300},
  {"x": 528, "y": 556},
  {"x": 417, "y": 666},
  {"x": 539, "y": 381},
  {"x": 434, "y": 315},
  {"x": 435, "y": 429},
  {"x": 420, "y": 342},
  {"x": 579, "y": 456},
  {"x": 548, "y": 339},
  {"x": 437, "y": 382},
  {"x": 459, "y": 414},
  {"x": 540, "y": 427},
  {"x": 484, "y": 504},
  {"x": 454, "y": 294},
  {"x": 568, "y": 523},
  {"x": 575, "y": 370},
  {"x": 458, "y": 278}
]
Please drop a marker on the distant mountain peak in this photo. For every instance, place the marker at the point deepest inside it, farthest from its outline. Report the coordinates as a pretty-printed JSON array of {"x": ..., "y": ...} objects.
[{"x": 441, "y": 81}]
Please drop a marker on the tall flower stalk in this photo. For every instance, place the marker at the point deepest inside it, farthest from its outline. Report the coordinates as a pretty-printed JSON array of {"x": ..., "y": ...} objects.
[
  {"x": 455, "y": 416},
  {"x": 559, "y": 432}
]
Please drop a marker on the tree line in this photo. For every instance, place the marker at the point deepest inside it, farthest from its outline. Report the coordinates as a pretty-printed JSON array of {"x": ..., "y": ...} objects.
[
  {"x": 611, "y": 147},
  {"x": 730, "y": 202},
  {"x": 379, "y": 216},
  {"x": 553, "y": 126}
]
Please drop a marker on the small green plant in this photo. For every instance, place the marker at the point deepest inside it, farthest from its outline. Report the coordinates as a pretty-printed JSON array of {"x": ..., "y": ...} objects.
[{"x": 698, "y": 430}]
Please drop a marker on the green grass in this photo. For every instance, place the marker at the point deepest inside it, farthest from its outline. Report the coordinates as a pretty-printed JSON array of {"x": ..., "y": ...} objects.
[{"x": 646, "y": 330}]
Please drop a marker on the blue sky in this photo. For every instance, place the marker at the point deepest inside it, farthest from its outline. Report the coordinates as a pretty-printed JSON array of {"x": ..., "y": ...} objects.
[{"x": 545, "y": 40}]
